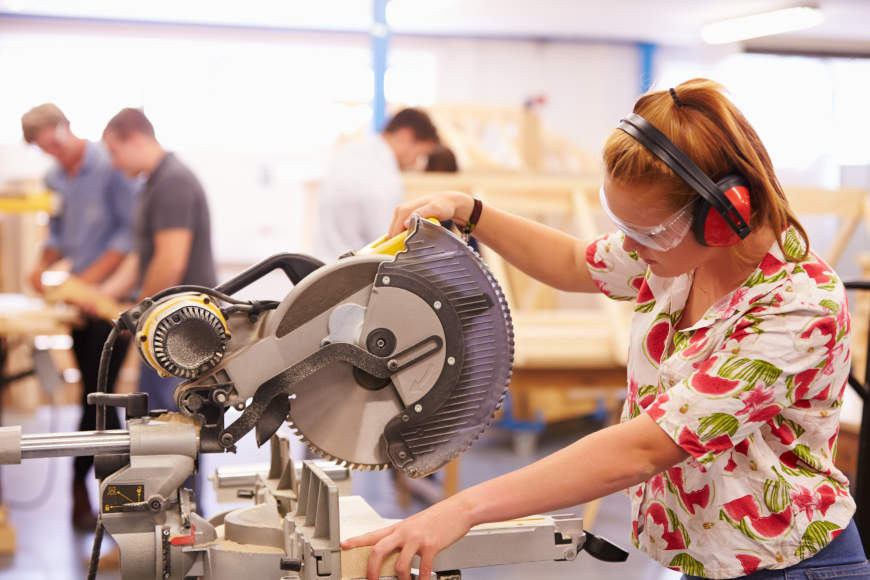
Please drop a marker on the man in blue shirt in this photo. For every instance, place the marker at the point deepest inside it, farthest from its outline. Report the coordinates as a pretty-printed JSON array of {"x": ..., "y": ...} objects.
[{"x": 93, "y": 232}]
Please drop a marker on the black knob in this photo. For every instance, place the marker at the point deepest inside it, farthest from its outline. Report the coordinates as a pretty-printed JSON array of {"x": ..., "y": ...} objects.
[
  {"x": 291, "y": 564},
  {"x": 134, "y": 404}
]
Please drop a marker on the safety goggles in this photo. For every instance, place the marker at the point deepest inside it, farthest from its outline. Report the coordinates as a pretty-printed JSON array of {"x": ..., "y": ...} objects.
[{"x": 662, "y": 237}]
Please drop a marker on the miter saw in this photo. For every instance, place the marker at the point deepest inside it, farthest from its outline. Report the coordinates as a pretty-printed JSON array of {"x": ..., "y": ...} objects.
[{"x": 397, "y": 355}]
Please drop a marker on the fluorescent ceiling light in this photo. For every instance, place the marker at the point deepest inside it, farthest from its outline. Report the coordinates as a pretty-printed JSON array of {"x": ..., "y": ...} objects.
[{"x": 762, "y": 24}]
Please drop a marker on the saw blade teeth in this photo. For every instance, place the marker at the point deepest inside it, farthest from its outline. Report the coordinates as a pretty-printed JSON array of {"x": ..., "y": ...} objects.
[{"x": 338, "y": 460}]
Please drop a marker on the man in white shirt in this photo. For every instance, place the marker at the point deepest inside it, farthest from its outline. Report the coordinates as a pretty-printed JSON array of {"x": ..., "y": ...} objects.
[{"x": 363, "y": 183}]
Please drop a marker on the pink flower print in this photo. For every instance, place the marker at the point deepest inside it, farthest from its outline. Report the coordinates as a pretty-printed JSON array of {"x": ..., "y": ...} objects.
[
  {"x": 802, "y": 382},
  {"x": 821, "y": 333},
  {"x": 745, "y": 327},
  {"x": 737, "y": 297},
  {"x": 769, "y": 303},
  {"x": 844, "y": 321},
  {"x": 755, "y": 404},
  {"x": 803, "y": 501},
  {"x": 657, "y": 485},
  {"x": 632, "y": 389},
  {"x": 806, "y": 501},
  {"x": 833, "y": 357},
  {"x": 656, "y": 411},
  {"x": 826, "y": 497}
]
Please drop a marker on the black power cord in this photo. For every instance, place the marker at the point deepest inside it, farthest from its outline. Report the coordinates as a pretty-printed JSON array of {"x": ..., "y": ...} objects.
[{"x": 102, "y": 381}]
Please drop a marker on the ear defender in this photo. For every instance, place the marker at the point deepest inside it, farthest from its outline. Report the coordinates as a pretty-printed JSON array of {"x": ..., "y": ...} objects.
[
  {"x": 729, "y": 198},
  {"x": 709, "y": 227}
]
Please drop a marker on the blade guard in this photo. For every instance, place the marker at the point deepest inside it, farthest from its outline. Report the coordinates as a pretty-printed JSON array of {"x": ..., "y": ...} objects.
[{"x": 479, "y": 344}]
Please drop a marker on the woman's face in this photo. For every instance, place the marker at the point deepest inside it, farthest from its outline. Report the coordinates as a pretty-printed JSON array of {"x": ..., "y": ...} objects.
[{"x": 643, "y": 209}]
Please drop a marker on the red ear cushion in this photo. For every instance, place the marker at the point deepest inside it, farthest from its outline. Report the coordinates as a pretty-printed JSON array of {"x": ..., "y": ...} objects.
[{"x": 717, "y": 232}]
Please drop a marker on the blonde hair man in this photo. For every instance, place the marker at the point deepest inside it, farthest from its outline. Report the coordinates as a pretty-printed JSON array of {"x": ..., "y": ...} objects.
[{"x": 93, "y": 232}]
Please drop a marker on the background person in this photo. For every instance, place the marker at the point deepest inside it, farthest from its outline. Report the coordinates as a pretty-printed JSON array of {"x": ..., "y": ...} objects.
[
  {"x": 442, "y": 159},
  {"x": 363, "y": 183},
  {"x": 92, "y": 230},
  {"x": 172, "y": 228}
]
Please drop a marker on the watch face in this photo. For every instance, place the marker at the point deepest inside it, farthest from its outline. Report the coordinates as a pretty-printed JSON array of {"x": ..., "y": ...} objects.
[{"x": 115, "y": 497}]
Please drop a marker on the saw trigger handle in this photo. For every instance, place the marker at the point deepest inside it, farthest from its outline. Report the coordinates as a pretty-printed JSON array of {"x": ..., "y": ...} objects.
[
  {"x": 391, "y": 246},
  {"x": 602, "y": 549}
]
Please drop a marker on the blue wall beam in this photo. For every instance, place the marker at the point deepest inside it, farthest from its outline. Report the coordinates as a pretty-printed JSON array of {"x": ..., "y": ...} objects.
[
  {"x": 380, "y": 35},
  {"x": 647, "y": 52}
]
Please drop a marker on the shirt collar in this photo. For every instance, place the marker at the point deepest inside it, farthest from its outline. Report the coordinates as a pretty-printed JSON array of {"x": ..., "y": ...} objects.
[
  {"x": 91, "y": 157},
  {"x": 163, "y": 161},
  {"x": 385, "y": 152},
  {"x": 770, "y": 274}
]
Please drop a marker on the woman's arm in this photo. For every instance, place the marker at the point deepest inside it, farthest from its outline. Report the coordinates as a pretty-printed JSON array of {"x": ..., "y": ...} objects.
[
  {"x": 597, "y": 465},
  {"x": 553, "y": 257}
]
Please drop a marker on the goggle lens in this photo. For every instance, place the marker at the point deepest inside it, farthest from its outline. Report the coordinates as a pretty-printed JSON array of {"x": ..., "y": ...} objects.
[{"x": 662, "y": 237}]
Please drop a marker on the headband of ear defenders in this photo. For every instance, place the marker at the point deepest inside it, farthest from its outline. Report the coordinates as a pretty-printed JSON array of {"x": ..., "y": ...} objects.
[{"x": 659, "y": 145}]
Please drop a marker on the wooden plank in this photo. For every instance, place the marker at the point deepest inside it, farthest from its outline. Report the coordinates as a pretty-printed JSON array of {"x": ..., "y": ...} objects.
[
  {"x": 844, "y": 202},
  {"x": 75, "y": 291}
]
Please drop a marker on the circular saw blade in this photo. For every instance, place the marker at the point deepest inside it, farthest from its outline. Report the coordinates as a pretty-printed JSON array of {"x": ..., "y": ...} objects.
[
  {"x": 341, "y": 420},
  {"x": 334, "y": 414},
  {"x": 433, "y": 408}
]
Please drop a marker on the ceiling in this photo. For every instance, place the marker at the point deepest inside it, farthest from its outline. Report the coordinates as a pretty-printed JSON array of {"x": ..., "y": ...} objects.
[{"x": 665, "y": 22}]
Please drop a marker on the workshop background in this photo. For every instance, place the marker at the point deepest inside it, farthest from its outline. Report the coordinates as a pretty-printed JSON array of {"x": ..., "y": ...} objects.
[{"x": 254, "y": 96}]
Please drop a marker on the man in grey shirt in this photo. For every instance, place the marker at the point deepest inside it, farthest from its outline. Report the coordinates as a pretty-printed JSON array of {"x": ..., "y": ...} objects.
[{"x": 172, "y": 227}]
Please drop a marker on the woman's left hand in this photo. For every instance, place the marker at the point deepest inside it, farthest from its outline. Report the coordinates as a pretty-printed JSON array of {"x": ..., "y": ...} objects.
[{"x": 424, "y": 534}]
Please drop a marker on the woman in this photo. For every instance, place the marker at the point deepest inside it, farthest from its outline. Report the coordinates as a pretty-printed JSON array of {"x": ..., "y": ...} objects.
[{"x": 738, "y": 359}]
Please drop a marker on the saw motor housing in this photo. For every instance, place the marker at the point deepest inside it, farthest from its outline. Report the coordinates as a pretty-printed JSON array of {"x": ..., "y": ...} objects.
[{"x": 183, "y": 335}]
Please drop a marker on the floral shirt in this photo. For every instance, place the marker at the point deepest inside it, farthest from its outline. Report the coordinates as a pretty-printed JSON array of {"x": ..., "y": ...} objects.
[{"x": 752, "y": 392}]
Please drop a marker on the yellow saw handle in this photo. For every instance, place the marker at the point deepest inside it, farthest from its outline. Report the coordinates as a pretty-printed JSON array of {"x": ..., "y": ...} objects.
[{"x": 391, "y": 246}]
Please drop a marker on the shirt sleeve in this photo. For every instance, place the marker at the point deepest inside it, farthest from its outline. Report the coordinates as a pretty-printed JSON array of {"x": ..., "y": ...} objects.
[
  {"x": 617, "y": 273},
  {"x": 771, "y": 359},
  {"x": 121, "y": 198},
  {"x": 175, "y": 205}
]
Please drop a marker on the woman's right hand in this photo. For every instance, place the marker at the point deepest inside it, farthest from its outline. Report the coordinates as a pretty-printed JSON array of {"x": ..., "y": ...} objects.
[
  {"x": 424, "y": 534},
  {"x": 443, "y": 205}
]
